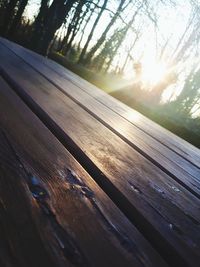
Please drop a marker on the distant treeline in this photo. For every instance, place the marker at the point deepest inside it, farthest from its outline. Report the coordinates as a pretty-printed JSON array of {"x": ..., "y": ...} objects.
[{"x": 74, "y": 16}]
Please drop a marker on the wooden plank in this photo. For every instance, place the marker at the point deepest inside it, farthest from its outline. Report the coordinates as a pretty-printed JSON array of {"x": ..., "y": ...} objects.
[
  {"x": 179, "y": 168},
  {"x": 164, "y": 211},
  {"x": 21, "y": 240},
  {"x": 165, "y": 137},
  {"x": 75, "y": 222}
]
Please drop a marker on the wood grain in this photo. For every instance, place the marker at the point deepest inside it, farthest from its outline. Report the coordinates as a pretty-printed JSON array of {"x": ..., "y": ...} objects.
[
  {"x": 74, "y": 223},
  {"x": 173, "y": 164},
  {"x": 164, "y": 211},
  {"x": 165, "y": 137}
]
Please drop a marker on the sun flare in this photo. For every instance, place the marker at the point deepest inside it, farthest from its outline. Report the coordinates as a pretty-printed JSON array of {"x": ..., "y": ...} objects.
[{"x": 153, "y": 72}]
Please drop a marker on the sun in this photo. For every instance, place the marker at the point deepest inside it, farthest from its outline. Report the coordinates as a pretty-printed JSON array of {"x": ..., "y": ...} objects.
[{"x": 153, "y": 72}]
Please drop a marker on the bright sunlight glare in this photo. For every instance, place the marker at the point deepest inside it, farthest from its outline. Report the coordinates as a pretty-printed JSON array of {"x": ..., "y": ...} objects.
[{"x": 153, "y": 72}]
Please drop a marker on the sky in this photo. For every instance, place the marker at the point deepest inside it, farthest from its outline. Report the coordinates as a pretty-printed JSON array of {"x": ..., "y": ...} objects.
[{"x": 32, "y": 8}]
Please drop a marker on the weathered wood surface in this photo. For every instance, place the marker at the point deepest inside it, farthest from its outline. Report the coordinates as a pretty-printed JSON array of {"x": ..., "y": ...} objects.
[
  {"x": 164, "y": 210},
  {"x": 165, "y": 137},
  {"x": 178, "y": 167},
  {"x": 52, "y": 213},
  {"x": 155, "y": 184}
]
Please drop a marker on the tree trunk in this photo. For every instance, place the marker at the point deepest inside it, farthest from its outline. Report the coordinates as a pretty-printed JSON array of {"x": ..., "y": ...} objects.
[
  {"x": 65, "y": 39},
  {"x": 53, "y": 20},
  {"x": 112, "y": 45},
  {"x": 129, "y": 54},
  {"x": 75, "y": 26},
  {"x": 18, "y": 16},
  {"x": 61, "y": 33},
  {"x": 8, "y": 16},
  {"x": 85, "y": 24},
  {"x": 83, "y": 52},
  {"x": 39, "y": 24},
  {"x": 72, "y": 28},
  {"x": 101, "y": 40}
]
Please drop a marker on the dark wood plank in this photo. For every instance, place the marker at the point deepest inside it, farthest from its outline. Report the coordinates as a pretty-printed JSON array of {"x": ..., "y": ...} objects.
[
  {"x": 164, "y": 211},
  {"x": 21, "y": 241},
  {"x": 52, "y": 213},
  {"x": 173, "y": 164},
  {"x": 165, "y": 137}
]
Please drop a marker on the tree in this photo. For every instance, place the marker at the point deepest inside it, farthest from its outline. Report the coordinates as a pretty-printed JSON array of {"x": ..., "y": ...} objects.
[
  {"x": 113, "y": 44},
  {"x": 73, "y": 27},
  {"x": 101, "y": 40},
  {"x": 49, "y": 20},
  {"x": 38, "y": 25},
  {"x": 9, "y": 12},
  {"x": 190, "y": 94},
  {"x": 91, "y": 11},
  {"x": 129, "y": 51},
  {"x": 18, "y": 16},
  {"x": 83, "y": 52},
  {"x": 104, "y": 59}
]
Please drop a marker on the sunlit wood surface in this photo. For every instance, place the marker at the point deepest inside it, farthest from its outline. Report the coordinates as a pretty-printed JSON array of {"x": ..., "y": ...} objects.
[{"x": 85, "y": 180}]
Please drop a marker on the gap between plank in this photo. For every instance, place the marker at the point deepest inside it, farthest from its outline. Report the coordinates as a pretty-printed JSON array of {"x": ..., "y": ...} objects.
[
  {"x": 77, "y": 85},
  {"x": 168, "y": 253},
  {"x": 173, "y": 176}
]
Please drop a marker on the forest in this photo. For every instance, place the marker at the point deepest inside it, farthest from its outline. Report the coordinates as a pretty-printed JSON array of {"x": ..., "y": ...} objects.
[{"x": 146, "y": 53}]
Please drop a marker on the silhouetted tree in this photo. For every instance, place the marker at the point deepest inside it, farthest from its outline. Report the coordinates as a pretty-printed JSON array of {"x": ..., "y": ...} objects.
[
  {"x": 73, "y": 27},
  {"x": 190, "y": 94},
  {"x": 8, "y": 14},
  {"x": 111, "y": 47},
  {"x": 49, "y": 20},
  {"x": 18, "y": 16},
  {"x": 102, "y": 38},
  {"x": 38, "y": 25},
  {"x": 83, "y": 52},
  {"x": 104, "y": 58},
  {"x": 91, "y": 12}
]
